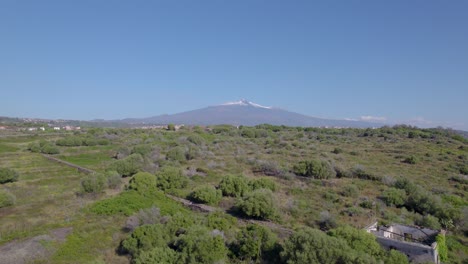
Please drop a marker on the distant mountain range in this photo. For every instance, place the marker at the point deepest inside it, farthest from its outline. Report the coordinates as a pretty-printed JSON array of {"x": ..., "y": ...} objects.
[{"x": 246, "y": 113}]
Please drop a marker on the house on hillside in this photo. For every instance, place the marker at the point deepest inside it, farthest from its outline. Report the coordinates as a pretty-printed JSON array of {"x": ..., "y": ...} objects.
[{"x": 417, "y": 243}]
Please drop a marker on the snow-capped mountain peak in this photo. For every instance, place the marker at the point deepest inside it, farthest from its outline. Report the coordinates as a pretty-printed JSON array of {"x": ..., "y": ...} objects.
[{"x": 245, "y": 102}]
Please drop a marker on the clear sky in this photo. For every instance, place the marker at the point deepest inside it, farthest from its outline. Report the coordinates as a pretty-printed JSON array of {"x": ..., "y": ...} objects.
[{"x": 399, "y": 61}]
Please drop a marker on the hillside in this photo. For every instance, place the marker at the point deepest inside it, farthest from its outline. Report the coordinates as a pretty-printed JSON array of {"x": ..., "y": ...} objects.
[{"x": 322, "y": 182}]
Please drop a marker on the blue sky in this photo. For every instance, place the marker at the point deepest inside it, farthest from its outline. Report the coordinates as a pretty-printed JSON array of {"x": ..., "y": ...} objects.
[{"x": 402, "y": 61}]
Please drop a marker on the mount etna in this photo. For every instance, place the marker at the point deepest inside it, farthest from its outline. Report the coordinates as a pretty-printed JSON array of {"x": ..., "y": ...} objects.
[{"x": 246, "y": 113}]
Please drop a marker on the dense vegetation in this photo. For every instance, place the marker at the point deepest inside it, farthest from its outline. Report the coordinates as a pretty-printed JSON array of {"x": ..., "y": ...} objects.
[{"x": 277, "y": 194}]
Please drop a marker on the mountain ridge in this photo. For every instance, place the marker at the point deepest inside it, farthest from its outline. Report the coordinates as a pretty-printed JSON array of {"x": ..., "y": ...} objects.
[{"x": 244, "y": 112}]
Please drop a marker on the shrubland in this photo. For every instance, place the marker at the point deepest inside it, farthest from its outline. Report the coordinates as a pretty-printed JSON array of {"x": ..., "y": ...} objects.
[{"x": 279, "y": 194}]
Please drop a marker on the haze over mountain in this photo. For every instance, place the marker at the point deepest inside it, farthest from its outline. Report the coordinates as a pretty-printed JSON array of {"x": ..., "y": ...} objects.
[{"x": 246, "y": 113}]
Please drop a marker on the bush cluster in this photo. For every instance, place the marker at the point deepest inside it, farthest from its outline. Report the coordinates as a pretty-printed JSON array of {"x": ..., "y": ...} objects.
[
  {"x": 258, "y": 204},
  {"x": 206, "y": 195},
  {"x": 129, "y": 165},
  {"x": 75, "y": 141},
  {"x": 43, "y": 147},
  {"x": 314, "y": 168}
]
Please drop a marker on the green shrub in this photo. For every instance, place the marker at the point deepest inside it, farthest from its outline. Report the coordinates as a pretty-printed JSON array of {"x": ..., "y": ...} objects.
[
  {"x": 258, "y": 204},
  {"x": 146, "y": 237},
  {"x": 358, "y": 240},
  {"x": 8, "y": 175},
  {"x": 199, "y": 245},
  {"x": 464, "y": 169},
  {"x": 176, "y": 154},
  {"x": 95, "y": 183},
  {"x": 143, "y": 150},
  {"x": 207, "y": 195},
  {"x": 393, "y": 196},
  {"x": 220, "y": 220},
  {"x": 125, "y": 203},
  {"x": 143, "y": 183},
  {"x": 350, "y": 191},
  {"x": 71, "y": 141},
  {"x": 6, "y": 198},
  {"x": 129, "y": 165},
  {"x": 195, "y": 139},
  {"x": 43, "y": 147},
  {"x": 310, "y": 246},
  {"x": 442, "y": 247},
  {"x": 235, "y": 186},
  {"x": 34, "y": 147},
  {"x": 337, "y": 151},
  {"x": 254, "y": 242},
  {"x": 160, "y": 255},
  {"x": 191, "y": 153},
  {"x": 248, "y": 133},
  {"x": 395, "y": 257},
  {"x": 49, "y": 149},
  {"x": 170, "y": 178},
  {"x": 114, "y": 180},
  {"x": 262, "y": 183},
  {"x": 410, "y": 160},
  {"x": 315, "y": 169},
  {"x": 429, "y": 221}
]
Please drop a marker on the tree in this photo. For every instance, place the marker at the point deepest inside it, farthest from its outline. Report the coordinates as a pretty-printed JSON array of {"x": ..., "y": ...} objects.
[
  {"x": 170, "y": 178},
  {"x": 254, "y": 242},
  {"x": 235, "y": 186},
  {"x": 199, "y": 245},
  {"x": 8, "y": 175},
  {"x": 206, "y": 194},
  {"x": 258, "y": 204},
  {"x": 171, "y": 127}
]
